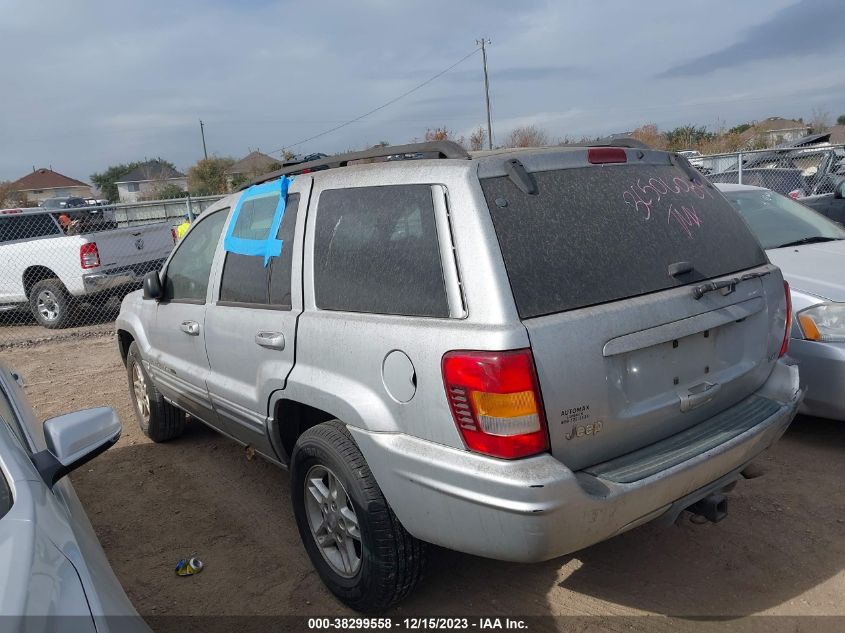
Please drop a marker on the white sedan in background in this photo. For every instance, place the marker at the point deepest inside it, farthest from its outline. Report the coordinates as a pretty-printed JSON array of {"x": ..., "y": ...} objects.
[{"x": 810, "y": 250}]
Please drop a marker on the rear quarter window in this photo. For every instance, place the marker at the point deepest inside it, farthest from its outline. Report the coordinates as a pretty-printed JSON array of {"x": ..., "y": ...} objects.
[
  {"x": 376, "y": 251},
  {"x": 604, "y": 233}
]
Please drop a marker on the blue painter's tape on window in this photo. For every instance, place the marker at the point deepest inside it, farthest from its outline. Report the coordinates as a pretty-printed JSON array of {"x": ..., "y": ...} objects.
[{"x": 256, "y": 220}]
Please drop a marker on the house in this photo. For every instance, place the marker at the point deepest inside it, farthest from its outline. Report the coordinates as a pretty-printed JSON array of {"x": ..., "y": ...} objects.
[
  {"x": 143, "y": 182},
  {"x": 774, "y": 131},
  {"x": 44, "y": 183},
  {"x": 250, "y": 166}
]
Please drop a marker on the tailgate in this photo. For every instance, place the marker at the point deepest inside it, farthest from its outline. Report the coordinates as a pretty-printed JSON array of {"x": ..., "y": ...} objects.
[
  {"x": 120, "y": 248},
  {"x": 602, "y": 260},
  {"x": 620, "y": 376}
]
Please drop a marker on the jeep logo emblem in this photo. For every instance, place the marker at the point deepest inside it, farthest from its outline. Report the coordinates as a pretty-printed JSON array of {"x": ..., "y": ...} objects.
[
  {"x": 584, "y": 430},
  {"x": 139, "y": 244}
]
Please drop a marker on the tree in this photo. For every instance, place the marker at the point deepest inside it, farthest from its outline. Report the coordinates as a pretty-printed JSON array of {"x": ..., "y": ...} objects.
[
  {"x": 208, "y": 176},
  {"x": 840, "y": 120},
  {"x": 651, "y": 136},
  {"x": 9, "y": 197},
  {"x": 106, "y": 180},
  {"x": 477, "y": 138},
  {"x": 739, "y": 129},
  {"x": 819, "y": 121},
  {"x": 687, "y": 137},
  {"x": 528, "y": 136},
  {"x": 442, "y": 134}
]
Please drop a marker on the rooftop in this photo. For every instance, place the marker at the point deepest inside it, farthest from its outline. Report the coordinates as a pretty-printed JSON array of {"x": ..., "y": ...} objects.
[
  {"x": 152, "y": 170},
  {"x": 44, "y": 178},
  {"x": 253, "y": 163}
]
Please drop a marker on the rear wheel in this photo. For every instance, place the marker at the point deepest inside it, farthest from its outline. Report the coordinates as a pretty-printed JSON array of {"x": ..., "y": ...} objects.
[
  {"x": 158, "y": 419},
  {"x": 50, "y": 303},
  {"x": 360, "y": 549}
]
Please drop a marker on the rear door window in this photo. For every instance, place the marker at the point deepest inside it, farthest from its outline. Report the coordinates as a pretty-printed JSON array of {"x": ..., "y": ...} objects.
[
  {"x": 598, "y": 234},
  {"x": 245, "y": 277},
  {"x": 376, "y": 250}
]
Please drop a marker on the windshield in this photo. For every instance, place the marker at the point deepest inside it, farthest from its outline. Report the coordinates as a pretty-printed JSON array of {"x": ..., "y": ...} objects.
[{"x": 777, "y": 220}]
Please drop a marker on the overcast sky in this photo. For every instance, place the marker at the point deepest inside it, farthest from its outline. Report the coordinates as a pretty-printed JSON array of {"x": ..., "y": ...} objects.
[{"x": 87, "y": 84}]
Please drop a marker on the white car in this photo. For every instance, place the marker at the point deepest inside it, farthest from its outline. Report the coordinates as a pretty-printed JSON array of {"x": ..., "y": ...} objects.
[
  {"x": 54, "y": 575},
  {"x": 810, "y": 250},
  {"x": 50, "y": 260}
]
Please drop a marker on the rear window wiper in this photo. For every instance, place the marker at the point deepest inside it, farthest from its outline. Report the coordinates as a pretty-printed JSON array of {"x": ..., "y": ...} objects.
[
  {"x": 727, "y": 286},
  {"x": 809, "y": 240}
]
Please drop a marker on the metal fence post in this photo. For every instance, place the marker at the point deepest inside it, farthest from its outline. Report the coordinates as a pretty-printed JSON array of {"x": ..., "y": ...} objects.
[
  {"x": 739, "y": 168},
  {"x": 190, "y": 208}
]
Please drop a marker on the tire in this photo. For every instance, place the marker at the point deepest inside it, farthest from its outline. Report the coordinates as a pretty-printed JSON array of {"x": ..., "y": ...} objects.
[
  {"x": 162, "y": 421},
  {"x": 391, "y": 561},
  {"x": 50, "y": 303}
]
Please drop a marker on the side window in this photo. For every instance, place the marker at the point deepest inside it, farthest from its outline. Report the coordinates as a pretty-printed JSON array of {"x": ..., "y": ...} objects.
[
  {"x": 26, "y": 227},
  {"x": 245, "y": 278},
  {"x": 376, "y": 250},
  {"x": 187, "y": 273}
]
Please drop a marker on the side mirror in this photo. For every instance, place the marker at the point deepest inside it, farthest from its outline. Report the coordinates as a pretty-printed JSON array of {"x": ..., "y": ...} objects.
[
  {"x": 839, "y": 190},
  {"x": 152, "y": 286},
  {"x": 74, "y": 439}
]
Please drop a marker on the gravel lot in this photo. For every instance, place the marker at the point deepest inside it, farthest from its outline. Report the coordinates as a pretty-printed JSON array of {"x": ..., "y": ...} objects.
[{"x": 781, "y": 550}]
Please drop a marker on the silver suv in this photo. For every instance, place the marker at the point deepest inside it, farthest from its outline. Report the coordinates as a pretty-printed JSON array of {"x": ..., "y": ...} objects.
[{"x": 514, "y": 354}]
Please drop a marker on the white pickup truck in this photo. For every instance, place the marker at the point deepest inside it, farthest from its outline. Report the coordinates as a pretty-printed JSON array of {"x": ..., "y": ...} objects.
[{"x": 48, "y": 264}]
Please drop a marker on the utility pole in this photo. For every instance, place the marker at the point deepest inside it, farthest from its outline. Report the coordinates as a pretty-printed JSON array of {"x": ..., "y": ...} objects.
[
  {"x": 484, "y": 42},
  {"x": 202, "y": 131}
]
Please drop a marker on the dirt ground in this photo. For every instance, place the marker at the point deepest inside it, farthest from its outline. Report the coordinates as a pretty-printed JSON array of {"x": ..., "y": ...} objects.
[{"x": 781, "y": 550}]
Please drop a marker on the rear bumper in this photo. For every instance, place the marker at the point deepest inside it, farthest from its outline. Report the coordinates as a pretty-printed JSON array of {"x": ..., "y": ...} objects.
[
  {"x": 125, "y": 277},
  {"x": 822, "y": 367},
  {"x": 536, "y": 509}
]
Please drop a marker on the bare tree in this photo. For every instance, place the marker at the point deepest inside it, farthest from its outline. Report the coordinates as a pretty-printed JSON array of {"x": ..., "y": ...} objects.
[
  {"x": 443, "y": 134},
  {"x": 820, "y": 121},
  {"x": 477, "y": 138},
  {"x": 528, "y": 136}
]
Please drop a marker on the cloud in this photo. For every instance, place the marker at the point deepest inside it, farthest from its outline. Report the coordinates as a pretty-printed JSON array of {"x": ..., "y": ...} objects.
[{"x": 804, "y": 28}]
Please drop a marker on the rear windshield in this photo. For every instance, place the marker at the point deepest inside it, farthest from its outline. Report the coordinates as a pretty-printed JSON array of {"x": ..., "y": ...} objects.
[{"x": 598, "y": 234}]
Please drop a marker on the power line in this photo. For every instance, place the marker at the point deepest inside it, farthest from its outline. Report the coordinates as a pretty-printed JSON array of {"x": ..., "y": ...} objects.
[{"x": 381, "y": 107}]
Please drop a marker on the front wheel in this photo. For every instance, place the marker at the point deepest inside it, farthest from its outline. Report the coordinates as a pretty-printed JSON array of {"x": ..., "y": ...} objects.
[
  {"x": 360, "y": 549},
  {"x": 159, "y": 420}
]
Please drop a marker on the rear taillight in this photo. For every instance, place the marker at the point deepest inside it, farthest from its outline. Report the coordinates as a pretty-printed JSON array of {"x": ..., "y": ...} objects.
[
  {"x": 784, "y": 346},
  {"x": 599, "y": 155},
  {"x": 89, "y": 256},
  {"x": 495, "y": 400}
]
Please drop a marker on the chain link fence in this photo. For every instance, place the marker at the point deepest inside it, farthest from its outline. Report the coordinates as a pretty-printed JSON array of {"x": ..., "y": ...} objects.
[
  {"x": 796, "y": 172},
  {"x": 68, "y": 269}
]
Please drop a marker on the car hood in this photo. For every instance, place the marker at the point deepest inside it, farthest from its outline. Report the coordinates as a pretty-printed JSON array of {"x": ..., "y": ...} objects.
[{"x": 817, "y": 269}]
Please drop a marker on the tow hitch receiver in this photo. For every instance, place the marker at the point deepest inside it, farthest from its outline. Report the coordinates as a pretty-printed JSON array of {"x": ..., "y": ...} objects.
[{"x": 714, "y": 508}]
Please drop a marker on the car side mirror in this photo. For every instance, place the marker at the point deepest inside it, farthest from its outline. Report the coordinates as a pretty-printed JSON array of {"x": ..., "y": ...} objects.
[
  {"x": 75, "y": 439},
  {"x": 152, "y": 286},
  {"x": 839, "y": 191}
]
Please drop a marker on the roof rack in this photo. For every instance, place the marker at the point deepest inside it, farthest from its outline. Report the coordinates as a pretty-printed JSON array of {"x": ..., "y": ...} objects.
[{"x": 414, "y": 151}]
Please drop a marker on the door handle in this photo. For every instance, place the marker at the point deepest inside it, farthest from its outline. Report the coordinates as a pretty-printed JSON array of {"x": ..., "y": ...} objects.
[
  {"x": 698, "y": 395},
  {"x": 190, "y": 327},
  {"x": 270, "y": 340}
]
